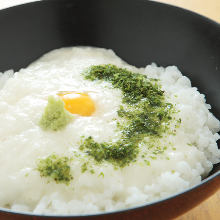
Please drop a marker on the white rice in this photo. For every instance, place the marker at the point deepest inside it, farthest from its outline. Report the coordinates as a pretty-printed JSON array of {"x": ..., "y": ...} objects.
[{"x": 23, "y": 97}]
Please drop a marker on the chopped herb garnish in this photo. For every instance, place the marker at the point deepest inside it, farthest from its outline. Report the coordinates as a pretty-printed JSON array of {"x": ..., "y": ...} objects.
[{"x": 56, "y": 168}]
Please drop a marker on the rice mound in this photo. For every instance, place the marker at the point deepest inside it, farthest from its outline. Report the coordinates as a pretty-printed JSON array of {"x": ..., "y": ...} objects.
[{"x": 23, "y": 97}]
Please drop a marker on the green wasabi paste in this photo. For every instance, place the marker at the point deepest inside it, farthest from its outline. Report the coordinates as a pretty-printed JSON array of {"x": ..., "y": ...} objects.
[{"x": 55, "y": 116}]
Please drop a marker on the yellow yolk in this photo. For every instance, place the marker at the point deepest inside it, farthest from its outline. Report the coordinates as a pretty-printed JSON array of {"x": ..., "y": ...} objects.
[{"x": 78, "y": 103}]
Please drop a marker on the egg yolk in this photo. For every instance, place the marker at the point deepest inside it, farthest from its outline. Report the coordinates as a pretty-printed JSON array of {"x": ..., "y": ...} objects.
[{"x": 78, "y": 103}]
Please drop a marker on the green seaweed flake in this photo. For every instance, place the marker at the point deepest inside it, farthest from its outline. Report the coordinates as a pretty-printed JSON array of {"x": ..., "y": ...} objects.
[
  {"x": 119, "y": 153},
  {"x": 145, "y": 110},
  {"x": 56, "y": 168},
  {"x": 134, "y": 86},
  {"x": 144, "y": 118}
]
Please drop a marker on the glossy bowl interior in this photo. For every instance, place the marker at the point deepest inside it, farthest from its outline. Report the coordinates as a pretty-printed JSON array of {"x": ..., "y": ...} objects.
[{"x": 140, "y": 32}]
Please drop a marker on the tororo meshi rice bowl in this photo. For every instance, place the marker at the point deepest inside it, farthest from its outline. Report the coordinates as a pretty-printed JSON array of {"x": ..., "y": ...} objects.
[{"x": 95, "y": 134}]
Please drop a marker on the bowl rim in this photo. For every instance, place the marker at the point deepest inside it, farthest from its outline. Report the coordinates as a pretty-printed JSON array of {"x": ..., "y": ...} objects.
[
  {"x": 146, "y": 204},
  {"x": 153, "y": 2}
]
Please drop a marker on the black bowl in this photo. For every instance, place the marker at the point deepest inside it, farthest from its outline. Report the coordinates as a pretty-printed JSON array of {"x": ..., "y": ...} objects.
[{"x": 140, "y": 32}]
